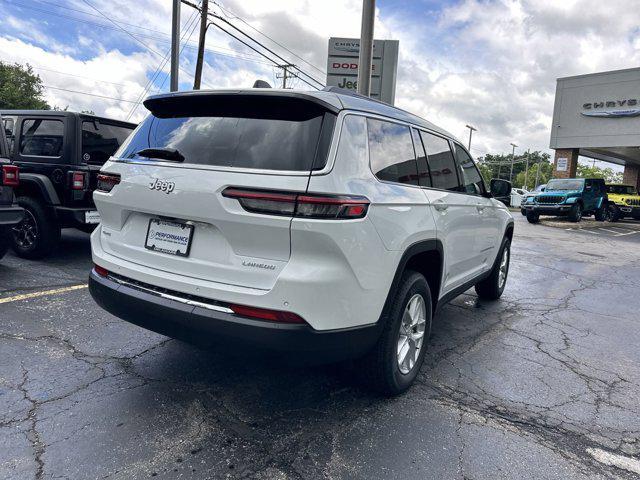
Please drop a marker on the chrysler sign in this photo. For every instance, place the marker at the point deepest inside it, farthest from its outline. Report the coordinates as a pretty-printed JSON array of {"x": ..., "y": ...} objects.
[
  {"x": 594, "y": 109},
  {"x": 343, "y": 61}
]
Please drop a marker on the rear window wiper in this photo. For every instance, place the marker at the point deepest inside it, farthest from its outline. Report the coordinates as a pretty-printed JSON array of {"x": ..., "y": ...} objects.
[{"x": 170, "y": 154}]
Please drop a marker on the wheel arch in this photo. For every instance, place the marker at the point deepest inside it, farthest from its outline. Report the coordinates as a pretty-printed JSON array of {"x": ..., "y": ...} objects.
[
  {"x": 37, "y": 186},
  {"x": 425, "y": 257}
]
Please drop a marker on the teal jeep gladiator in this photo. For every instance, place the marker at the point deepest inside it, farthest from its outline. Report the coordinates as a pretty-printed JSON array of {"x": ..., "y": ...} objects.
[{"x": 569, "y": 197}]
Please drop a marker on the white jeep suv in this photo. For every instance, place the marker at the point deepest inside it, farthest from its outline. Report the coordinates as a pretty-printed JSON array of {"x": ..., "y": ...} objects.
[{"x": 322, "y": 224}]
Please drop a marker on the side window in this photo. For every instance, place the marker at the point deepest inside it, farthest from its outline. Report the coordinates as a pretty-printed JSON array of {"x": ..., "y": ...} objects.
[
  {"x": 41, "y": 138},
  {"x": 9, "y": 125},
  {"x": 352, "y": 148},
  {"x": 391, "y": 152},
  {"x": 441, "y": 163},
  {"x": 423, "y": 167},
  {"x": 100, "y": 140},
  {"x": 471, "y": 180}
]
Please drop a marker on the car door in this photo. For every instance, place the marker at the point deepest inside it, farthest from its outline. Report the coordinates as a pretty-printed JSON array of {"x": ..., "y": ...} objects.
[
  {"x": 488, "y": 238},
  {"x": 456, "y": 214}
]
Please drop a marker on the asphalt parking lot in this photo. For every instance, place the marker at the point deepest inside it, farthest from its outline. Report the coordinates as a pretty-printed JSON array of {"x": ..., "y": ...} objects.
[{"x": 542, "y": 384}]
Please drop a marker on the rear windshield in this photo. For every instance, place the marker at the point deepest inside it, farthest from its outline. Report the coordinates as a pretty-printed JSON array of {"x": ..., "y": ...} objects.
[
  {"x": 554, "y": 185},
  {"x": 101, "y": 139},
  {"x": 285, "y": 138}
]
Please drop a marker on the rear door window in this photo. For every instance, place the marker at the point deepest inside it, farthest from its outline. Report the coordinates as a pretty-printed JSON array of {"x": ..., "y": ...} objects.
[
  {"x": 101, "y": 139},
  {"x": 471, "y": 180},
  {"x": 441, "y": 162},
  {"x": 9, "y": 125},
  {"x": 41, "y": 138},
  {"x": 391, "y": 152},
  {"x": 283, "y": 140}
]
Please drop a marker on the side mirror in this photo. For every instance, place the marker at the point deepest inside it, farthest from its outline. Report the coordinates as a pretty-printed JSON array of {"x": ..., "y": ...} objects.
[{"x": 500, "y": 188}]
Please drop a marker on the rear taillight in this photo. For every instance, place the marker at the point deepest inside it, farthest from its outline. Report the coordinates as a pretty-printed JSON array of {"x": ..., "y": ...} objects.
[
  {"x": 265, "y": 314},
  {"x": 10, "y": 175},
  {"x": 103, "y": 272},
  {"x": 78, "y": 180},
  {"x": 305, "y": 205},
  {"x": 106, "y": 182}
]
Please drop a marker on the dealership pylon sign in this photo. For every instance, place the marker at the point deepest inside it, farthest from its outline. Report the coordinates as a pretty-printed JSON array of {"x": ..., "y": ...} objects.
[{"x": 342, "y": 66}]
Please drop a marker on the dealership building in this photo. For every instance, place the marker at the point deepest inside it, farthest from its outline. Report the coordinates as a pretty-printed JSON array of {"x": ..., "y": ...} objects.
[{"x": 598, "y": 116}]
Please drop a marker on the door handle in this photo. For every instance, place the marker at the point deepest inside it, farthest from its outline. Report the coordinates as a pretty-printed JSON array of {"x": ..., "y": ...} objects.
[{"x": 440, "y": 206}]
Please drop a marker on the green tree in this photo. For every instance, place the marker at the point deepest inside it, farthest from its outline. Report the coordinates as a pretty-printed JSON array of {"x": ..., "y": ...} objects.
[
  {"x": 21, "y": 88},
  {"x": 499, "y": 166},
  {"x": 586, "y": 171}
]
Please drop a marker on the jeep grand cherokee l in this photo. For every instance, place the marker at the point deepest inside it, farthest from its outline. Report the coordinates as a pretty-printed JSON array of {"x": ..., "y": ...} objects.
[{"x": 320, "y": 224}]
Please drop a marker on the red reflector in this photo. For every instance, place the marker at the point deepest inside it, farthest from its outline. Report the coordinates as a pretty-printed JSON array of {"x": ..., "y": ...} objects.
[
  {"x": 77, "y": 181},
  {"x": 10, "y": 175},
  {"x": 103, "y": 272},
  {"x": 264, "y": 314},
  {"x": 106, "y": 182}
]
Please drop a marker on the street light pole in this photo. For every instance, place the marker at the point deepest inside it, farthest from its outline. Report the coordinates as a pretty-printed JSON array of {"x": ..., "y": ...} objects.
[
  {"x": 366, "y": 47},
  {"x": 526, "y": 171},
  {"x": 513, "y": 154},
  {"x": 175, "y": 45},
  {"x": 471, "y": 130}
]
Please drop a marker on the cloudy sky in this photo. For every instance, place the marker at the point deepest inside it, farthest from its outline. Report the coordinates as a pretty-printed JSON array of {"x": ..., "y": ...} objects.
[{"x": 492, "y": 64}]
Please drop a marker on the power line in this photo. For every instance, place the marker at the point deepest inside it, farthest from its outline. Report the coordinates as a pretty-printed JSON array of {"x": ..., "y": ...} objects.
[
  {"x": 224, "y": 9},
  {"x": 87, "y": 93}
]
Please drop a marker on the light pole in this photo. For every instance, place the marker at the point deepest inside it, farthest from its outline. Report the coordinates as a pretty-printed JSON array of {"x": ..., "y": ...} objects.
[
  {"x": 513, "y": 154},
  {"x": 366, "y": 47},
  {"x": 471, "y": 130},
  {"x": 526, "y": 172},
  {"x": 175, "y": 45}
]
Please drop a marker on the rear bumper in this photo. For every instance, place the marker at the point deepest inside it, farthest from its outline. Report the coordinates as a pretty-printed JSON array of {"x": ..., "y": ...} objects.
[
  {"x": 72, "y": 216},
  {"x": 10, "y": 215},
  {"x": 202, "y": 326},
  {"x": 561, "y": 209}
]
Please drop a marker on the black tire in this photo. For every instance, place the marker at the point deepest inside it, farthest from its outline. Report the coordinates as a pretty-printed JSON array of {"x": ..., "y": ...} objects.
[
  {"x": 614, "y": 213},
  {"x": 5, "y": 241},
  {"x": 600, "y": 214},
  {"x": 575, "y": 214},
  {"x": 380, "y": 366},
  {"x": 491, "y": 288},
  {"x": 523, "y": 212},
  {"x": 533, "y": 217},
  {"x": 38, "y": 234}
]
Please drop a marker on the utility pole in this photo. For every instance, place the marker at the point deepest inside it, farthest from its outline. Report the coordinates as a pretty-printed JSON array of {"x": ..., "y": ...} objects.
[
  {"x": 175, "y": 45},
  {"x": 204, "y": 10},
  {"x": 471, "y": 130},
  {"x": 366, "y": 47},
  {"x": 526, "y": 171},
  {"x": 537, "y": 175},
  {"x": 286, "y": 74},
  {"x": 513, "y": 156}
]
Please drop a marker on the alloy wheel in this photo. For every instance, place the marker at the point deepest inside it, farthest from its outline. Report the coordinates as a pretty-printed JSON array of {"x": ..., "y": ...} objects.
[
  {"x": 25, "y": 234},
  {"x": 504, "y": 268},
  {"x": 411, "y": 336}
]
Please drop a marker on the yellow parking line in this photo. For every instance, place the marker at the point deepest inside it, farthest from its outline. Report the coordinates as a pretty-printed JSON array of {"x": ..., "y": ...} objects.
[{"x": 55, "y": 291}]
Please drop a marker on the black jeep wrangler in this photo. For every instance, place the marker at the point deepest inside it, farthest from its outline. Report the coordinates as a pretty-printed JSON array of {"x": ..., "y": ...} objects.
[
  {"x": 59, "y": 155},
  {"x": 10, "y": 213}
]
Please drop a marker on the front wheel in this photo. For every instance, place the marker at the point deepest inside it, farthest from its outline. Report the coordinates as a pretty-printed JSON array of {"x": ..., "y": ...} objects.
[
  {"x": 491, "y": 288},
  {"x": 575, "y": 214},
  {"x": 613, "y": 214},
  {"x": 533, "y": 217},
  {"x": 395, "y": 360}
]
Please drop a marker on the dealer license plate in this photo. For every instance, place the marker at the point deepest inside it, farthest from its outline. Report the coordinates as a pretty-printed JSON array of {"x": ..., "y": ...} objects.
[{"x": 169, "y": 237}]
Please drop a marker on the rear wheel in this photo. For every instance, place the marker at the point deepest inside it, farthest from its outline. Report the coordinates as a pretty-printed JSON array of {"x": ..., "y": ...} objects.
[
  {"x": 601, "y": 214},
  {"x": 613, "y": 213},
  {"x": 533, "y": 217},
  {"x": 575, "y": 214},
  {"x": 395, "y": 360},
  {"x": 491, "y": 288},
  {"x": 38, "y": 233}
]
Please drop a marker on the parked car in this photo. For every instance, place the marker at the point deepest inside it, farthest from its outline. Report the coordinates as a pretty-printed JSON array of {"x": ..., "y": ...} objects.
[
  {"x": 532, "y": 193},
  {"x": 624, "y": 201},
  {"x": 59, "y": 155},
  {"x": 570, "y": 197},
  {"x": 517, "y": 194},
  {"x": 10, "y": 213},
  {"x": 253, "y": 217}
]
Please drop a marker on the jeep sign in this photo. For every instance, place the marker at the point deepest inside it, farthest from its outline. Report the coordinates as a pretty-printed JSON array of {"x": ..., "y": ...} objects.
[{"x": 342, "y": 66}]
